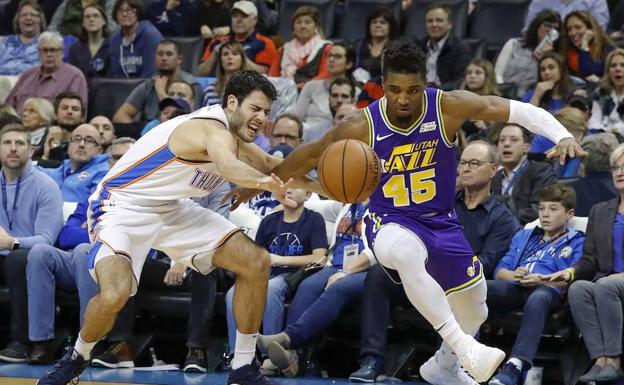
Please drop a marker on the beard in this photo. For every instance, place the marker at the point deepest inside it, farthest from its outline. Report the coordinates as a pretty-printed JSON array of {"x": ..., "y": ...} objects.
[
  {"x": 237, "y": 125},
  {"x": 166, "y": 72}
]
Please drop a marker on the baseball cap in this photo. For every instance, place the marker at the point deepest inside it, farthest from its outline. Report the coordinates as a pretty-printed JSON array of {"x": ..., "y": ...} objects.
[
  {"x": 176, "y": 102},
  {"x": 246, "y": 7},
  {"x": 280, "y": 151}
]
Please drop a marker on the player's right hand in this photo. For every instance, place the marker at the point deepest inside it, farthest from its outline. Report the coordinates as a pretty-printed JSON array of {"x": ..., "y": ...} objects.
[
  {"x": 240, "y": 195},
  {"x": 275, "y": 185}
]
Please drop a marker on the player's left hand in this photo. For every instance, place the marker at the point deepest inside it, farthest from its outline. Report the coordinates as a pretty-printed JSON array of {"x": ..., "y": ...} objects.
[
  {"x": 240, "y": 195},
  {"x": 567, "y": 147},
  {"x": 175, "y": 274}
]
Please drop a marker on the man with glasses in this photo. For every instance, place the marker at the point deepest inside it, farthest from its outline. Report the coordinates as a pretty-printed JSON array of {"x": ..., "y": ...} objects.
[
  {"x": 30, "y": 215},
  {"x": 288, "y": 130},
  {"x": 79, "y": 175},
  {"x": 50, "y": 78}
]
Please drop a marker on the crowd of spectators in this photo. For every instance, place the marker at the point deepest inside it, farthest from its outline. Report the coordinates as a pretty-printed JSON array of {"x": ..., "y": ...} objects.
[{"x": 516, "y": 206}]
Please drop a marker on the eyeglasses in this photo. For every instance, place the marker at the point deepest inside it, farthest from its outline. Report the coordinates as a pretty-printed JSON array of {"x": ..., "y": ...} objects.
[
  {"x": 31, "y": 15},
  {"x": 92, "y": 16},
  {"x": 285, "y": 136},
  {"x": 77, "y": 139},
  {"x": 50, "y": 51},
  {"x": 619, "y": 168},
  {"x": 126, "y": 11},
  {"x": 472, "y": 164}
]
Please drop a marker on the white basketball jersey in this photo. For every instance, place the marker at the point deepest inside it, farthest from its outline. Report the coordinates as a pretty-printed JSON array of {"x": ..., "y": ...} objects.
[{"x": 151, "y": 174}]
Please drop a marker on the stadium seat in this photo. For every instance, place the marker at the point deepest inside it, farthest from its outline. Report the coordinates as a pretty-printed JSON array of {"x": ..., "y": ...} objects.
[
  {"x": 477, "y": 47},
  {"x": 353, "y": 26},
  {"x": 495, "y": 21},
  {"x": 508, "y": 90},
  {"x": 326, "y": 8},
  {"x": 414, "y": 17},
  {"x": 576, "y": 223},
  {"x": 106, "y": 95},
  {"x": 191, "y": 49}
]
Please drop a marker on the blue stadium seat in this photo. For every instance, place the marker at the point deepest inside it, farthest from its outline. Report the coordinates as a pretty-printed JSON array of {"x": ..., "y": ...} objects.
[
  {"x": 353, "y": 26},
  {"x": 326, "y": 8},
  {"x": 496, "y": 21},
  {"x": 414, "y": 17},
  {"x": 106, "y": 95},
  {"x": 191, "y": 49}
]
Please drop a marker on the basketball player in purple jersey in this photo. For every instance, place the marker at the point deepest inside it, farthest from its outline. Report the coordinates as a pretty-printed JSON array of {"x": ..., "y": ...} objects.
[{"x": 412, "y": 226}]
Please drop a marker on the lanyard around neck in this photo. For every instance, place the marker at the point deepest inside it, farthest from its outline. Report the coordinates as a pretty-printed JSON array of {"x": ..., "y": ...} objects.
[{"x": 5, "y": 200}]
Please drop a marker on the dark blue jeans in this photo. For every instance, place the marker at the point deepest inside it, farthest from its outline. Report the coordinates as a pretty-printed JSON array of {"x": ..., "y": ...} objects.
[
  {"x": 314, "y": 308},
  {"x": 536, "y": 304}
]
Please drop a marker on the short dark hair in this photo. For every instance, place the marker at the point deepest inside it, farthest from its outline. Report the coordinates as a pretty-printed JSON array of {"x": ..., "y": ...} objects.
[
  {"x": 386, "y": 14},
  {"x": 6, "y": 118},
  {"x": 69, "y": 95},
  {"x": 443, "y": 7},
  {"x": 349, "y": 55},
  {"x": 136, "y": 4},
  {"x": 84, "y": 36},
  {"x": 404, "y": 58},
  {"x": 15, "y": 127},
  {"x": 341, "y": 82},
  {"x": 530, "y": 36},
  {"x": 559, "y": 192},
  {"x": 185, "y": 83},
  {"x": 171, "y": 42},
  {"x": 292, "y": 117},
  {"x": 526, "y": 135},
  {"x": 243, "y": 83}
]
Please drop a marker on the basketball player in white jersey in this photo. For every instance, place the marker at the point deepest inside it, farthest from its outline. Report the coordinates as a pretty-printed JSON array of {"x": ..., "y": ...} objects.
[{"x": 143, "y": 204}]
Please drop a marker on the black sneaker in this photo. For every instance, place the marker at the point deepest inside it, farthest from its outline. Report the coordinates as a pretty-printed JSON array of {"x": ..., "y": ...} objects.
[
  {"x": 66, "y": 370},
  {"x": 369, "y": 371},
  {"x": 248, "y": 375},
  {"x": 225, "y": 363},
  {"x": 42, "y": 353},
  {"x": 118, "y": 355},
  {"x": 195, "y": 361},
  {"x": 15, "y": 351}
]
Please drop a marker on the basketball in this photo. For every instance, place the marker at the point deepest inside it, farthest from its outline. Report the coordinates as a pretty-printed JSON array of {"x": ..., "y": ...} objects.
[{"x": 349, "y": 171}]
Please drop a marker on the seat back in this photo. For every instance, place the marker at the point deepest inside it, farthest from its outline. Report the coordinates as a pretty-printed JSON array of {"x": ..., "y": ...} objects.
[
  {"x": 414, "y": 18},
  {"x": 353, "y": 26},
  {"x": 191, "y": 49},
  {"x": 106, "y": 95},
  {"x": 576, "y": 223},
  {"x": 496, "y": 21},
  {"x": 477, "y": 47},
  {"x": 326, "y": 8}
]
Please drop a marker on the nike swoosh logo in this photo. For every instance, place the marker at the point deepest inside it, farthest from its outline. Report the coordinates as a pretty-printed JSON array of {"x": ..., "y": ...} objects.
[{"x": 380, "y": 138}]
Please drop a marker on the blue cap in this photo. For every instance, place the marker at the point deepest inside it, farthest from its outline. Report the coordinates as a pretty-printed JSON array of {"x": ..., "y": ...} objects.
[
  {"x": 176, "y": 102},
  {"x": 280, "y": 151}
]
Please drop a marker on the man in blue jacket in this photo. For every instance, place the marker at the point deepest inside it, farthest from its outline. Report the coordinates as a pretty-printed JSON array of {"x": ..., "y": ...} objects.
[
  {"x": 30, "y": 215},
  {"x": 520, "y": 284},
  {"x": 49, "y": 267},
  {"x": 79, "y": 175}
]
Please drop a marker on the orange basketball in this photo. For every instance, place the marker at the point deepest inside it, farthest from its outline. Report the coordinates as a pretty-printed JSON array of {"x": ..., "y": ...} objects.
[{"x": 349, "y": 171}]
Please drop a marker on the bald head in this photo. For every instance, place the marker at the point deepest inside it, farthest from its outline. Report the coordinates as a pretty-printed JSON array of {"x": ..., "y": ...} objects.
[
  {"x": 343, "y": 111},
  {"x": 84, "y": 144}
]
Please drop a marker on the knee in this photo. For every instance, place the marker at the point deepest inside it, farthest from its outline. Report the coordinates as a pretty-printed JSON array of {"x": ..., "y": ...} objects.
[
  {"x": 39, "y": 255},
  {"x": 579, "y": 289},
  {"x": 539, "y": 299},
  {"x": 258, "y": 264},
  {"x": 114, "y": 299}
]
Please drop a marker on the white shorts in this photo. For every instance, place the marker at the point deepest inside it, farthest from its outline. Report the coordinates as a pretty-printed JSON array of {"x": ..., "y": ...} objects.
[{"x": 184, "y": 230}]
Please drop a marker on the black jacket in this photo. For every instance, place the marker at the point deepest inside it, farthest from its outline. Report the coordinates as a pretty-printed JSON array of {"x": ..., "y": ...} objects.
[
  {"x": 523, "y": 201},
  {"x": 597, "y": 259},
  {"x": 452, "y": 61}
]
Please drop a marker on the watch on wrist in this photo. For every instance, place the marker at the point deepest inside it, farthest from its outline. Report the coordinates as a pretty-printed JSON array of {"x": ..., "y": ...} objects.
[{"x": 16, "y": 244}]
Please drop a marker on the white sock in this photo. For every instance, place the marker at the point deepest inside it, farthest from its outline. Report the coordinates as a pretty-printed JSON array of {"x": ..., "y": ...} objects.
[
  {"x": 517, "y": 362},
  {"x": 84, "y": 348},
  {"x": 452, "y": 334},
  {"x": 244, "y": 349}
]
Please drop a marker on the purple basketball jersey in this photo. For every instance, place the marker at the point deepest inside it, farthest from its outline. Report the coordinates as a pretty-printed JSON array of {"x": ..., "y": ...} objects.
[{"x": 417, "y": 189}]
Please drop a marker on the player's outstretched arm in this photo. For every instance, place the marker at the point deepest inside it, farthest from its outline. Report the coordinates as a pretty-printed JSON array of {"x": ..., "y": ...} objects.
[
  {"x": 305, "y": 157},
  {"x": 462, "y": 105}
]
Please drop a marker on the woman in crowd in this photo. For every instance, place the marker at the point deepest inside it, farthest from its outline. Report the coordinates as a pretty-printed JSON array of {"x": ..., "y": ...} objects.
[
  {"x": 91, "y": 54},
  {"x": 69, "y": 16},
  {"x": 584, "y": 44},
  {"x": 313, "y": 101},
  {"x": 133, "y": 48},
  {"x": 480, "y": 79},
  {"x": 596, "y": 293},
  {"x": 37, "y": 116},
  {"x": 554, "y": 83},
  {"x": 608, "y": 104},
  {"x": 230, "y": 59},
  {"x": 382, "y": 28},
  {"x": 517, "y": 60},
  {"x": 306, "y": 56},
  {"x": 20, "y": 51}
]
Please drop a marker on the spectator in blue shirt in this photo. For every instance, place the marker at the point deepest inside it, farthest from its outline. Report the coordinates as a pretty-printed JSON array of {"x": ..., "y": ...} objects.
[
  {"x": 294, "y": 237},
  {"x": 65, "y": 267},
  {"x": 30, "y": 216},
  {"x": 520, "y": 278},
  {"x": 553, "y": 85},
  {"x": 19, "y": 52},
  {"x": 79, "y": 175}
]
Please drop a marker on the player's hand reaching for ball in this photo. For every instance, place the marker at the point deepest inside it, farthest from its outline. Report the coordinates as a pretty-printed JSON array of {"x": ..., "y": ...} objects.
[
  {"x": 566, "y": 148},
  {"x": 279, "y": 189}
]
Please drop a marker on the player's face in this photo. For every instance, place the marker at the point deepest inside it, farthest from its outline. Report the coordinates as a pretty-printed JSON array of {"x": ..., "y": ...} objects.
[
  {"x": 404, "y": 94},
  {"x": 475, "y": 167},
  {"x": 618, "y": 174},
  {"x": 511, "y": 145},
  {"x": 553, "y": 217},
  {"x": 14, "y": 150},
  {"x": 250, "y": 116},
  {"x": 549, "y": 70},
  {"x": 475, "y": 78},
  {"x": 298, "y": 195}
]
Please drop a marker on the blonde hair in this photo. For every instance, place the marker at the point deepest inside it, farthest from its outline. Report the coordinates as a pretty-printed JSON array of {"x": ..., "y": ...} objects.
[
  {"x": 572, "y": 119},
  {"x": 606, "y": 81},
  {"x": 489, "y": 84},
  {"x": 616, "y": 155}
]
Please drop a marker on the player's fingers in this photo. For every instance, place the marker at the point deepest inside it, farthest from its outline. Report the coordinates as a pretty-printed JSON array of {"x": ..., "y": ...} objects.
[
  {"x": 234, "y": 205},
  {"x": 552, "y": 153},
  {"x": 277, "y": 179}
]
